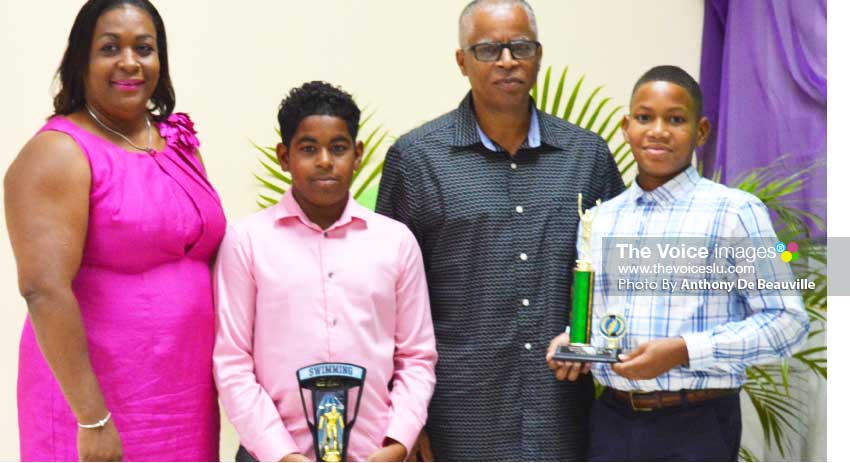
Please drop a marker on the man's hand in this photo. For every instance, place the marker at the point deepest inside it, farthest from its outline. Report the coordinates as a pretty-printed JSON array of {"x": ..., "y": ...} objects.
[
  {"x": 421, "y": 449},
  {"x": 652, "y": 359},
  {"x": 99, "y": 444},
  {"x": 392, "y": 451},
  {"x": 294, "y": 457},
  {"x": 564, "y": 370}
]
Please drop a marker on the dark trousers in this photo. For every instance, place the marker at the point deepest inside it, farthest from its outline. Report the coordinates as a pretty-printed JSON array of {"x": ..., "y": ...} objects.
[
  {"x": 243, "y": 455},
  {"x": 704, "y": 431}
]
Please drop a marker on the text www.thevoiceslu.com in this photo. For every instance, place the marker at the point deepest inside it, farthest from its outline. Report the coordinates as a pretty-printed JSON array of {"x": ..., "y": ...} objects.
[{"x": 687, "y": 269}]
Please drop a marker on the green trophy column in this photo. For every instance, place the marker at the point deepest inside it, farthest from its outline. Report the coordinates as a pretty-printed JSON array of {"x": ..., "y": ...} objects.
[{"x": 582, "y": 304}]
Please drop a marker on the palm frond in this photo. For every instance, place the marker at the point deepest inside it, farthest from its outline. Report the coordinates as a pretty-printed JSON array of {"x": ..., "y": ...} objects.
[
  {"x": 545, "y": 97},
  {"x": 746, "y": 454},
  {"x": 559, "y": 91},
  {"x": 275, "y": 172},
  {"x": 269, "y": 185},
  {"x": 597, "y": 111},
  {"x": 572, "y": 101},
  {"x": 587, "y": 105},
  {"x": 778, "y": 413},
  {"x": 588, "y": 110},
  {"x": 370, "y": 180},
  {"x": 601, "y": 130}
]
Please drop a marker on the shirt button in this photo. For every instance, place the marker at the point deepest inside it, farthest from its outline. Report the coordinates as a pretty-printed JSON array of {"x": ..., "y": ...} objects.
[
  {"x": 330, "y": 274},
  {"x": 334, "y": 322},
  {"x": 523, "y": 256},
  {"x": 527, "y": 346},
  {"x": 519, "y": 209},
  {"x": 513, "y": 165},
  {"x": 326, "y": 234},
  {"x": 525, "y": 302}
]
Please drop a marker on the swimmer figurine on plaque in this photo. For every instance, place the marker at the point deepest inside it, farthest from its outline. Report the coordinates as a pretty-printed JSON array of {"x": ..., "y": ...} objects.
[
  {"x": 329, "y": 385},
  {"x": 612, "y": 325}
]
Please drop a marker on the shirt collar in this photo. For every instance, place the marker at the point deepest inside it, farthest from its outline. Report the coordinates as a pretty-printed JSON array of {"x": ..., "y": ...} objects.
[
  {"x": 676, "y": 188},
  {"x": 533, "y": 134},
  {"x": 288, "y": 207},
  {"x": 468, "y": 132}
]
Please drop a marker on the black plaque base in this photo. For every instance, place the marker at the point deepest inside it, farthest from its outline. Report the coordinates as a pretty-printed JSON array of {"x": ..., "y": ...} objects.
[{"x": 586, "y": 354}]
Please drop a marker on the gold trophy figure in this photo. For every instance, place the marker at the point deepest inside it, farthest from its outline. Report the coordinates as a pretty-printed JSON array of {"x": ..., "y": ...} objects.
[
  {"x": 331, "y": 420},
  {"x": 586, "y": 218}
]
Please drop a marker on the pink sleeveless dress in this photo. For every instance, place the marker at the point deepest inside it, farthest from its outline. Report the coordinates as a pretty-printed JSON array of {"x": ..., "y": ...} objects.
[{"x": 145, "y": 295}]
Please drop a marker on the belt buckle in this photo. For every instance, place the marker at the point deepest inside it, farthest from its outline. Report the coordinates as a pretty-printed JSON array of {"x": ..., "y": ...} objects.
[{"x": 632, "y": 402}]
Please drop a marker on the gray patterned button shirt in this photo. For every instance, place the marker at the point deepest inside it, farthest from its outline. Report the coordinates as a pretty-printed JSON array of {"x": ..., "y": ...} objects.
[{"x": 498, "y": 237}]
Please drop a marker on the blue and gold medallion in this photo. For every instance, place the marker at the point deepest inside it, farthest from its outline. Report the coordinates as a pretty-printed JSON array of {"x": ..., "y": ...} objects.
[{"x": 612, "y": 327}]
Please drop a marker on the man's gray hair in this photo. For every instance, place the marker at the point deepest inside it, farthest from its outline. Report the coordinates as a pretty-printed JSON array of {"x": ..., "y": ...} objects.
[{"x": 465, "y": 21}]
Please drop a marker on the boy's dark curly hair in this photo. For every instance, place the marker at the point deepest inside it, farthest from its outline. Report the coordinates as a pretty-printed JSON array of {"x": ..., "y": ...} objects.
[{"x": 316, "y": 99}]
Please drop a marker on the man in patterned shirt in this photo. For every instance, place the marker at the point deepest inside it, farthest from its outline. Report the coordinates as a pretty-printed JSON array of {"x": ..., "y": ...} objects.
[
  {"x": 489, "y": 190},
  {"x": 675, "y": 393}
]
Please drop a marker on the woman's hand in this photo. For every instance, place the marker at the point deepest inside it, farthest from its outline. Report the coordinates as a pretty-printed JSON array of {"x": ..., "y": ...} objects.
[{"x": 99, "y": 444}]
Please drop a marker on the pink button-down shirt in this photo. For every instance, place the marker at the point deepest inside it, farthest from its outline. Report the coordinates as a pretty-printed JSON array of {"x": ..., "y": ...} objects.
[{"x": 289, "y": 294}]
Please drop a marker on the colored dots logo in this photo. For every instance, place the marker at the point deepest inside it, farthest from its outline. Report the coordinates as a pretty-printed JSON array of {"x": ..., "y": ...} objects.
[{"x": 788, "y": 253}]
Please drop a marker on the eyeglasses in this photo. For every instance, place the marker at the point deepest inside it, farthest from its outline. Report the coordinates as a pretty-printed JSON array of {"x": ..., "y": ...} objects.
[{"x": 491, "y": 51}]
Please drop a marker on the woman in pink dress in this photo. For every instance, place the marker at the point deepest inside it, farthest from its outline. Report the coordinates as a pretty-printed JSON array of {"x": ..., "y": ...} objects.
[{"x": 113, "y": 224}]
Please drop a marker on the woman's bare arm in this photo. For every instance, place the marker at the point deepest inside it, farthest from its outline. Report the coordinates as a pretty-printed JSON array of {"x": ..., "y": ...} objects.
[{"x": 47, "y": 207}]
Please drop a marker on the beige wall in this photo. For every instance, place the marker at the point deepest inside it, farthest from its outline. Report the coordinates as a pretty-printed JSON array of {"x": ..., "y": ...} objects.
[{"x": 233, "y": 61}]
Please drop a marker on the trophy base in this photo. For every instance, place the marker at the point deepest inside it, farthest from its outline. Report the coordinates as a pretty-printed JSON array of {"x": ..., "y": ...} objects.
[
  {"x": 586, "y": 354},
  {"x": 331, "y": 456}
]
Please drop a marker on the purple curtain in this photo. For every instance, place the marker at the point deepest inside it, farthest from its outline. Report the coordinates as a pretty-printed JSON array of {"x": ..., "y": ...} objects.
[{"x": 763, "y": 74}]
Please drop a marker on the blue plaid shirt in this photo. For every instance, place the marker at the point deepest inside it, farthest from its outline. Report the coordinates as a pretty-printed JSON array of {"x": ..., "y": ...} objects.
[{"x": 724, "y": 331}]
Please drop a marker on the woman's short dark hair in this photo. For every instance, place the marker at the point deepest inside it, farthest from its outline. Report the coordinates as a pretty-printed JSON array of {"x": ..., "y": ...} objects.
[{"x": 75, "y": 61}]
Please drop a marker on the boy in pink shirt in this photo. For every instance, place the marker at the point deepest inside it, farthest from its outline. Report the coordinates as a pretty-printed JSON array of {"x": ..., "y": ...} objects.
[{"x": 319, "y": 278}]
